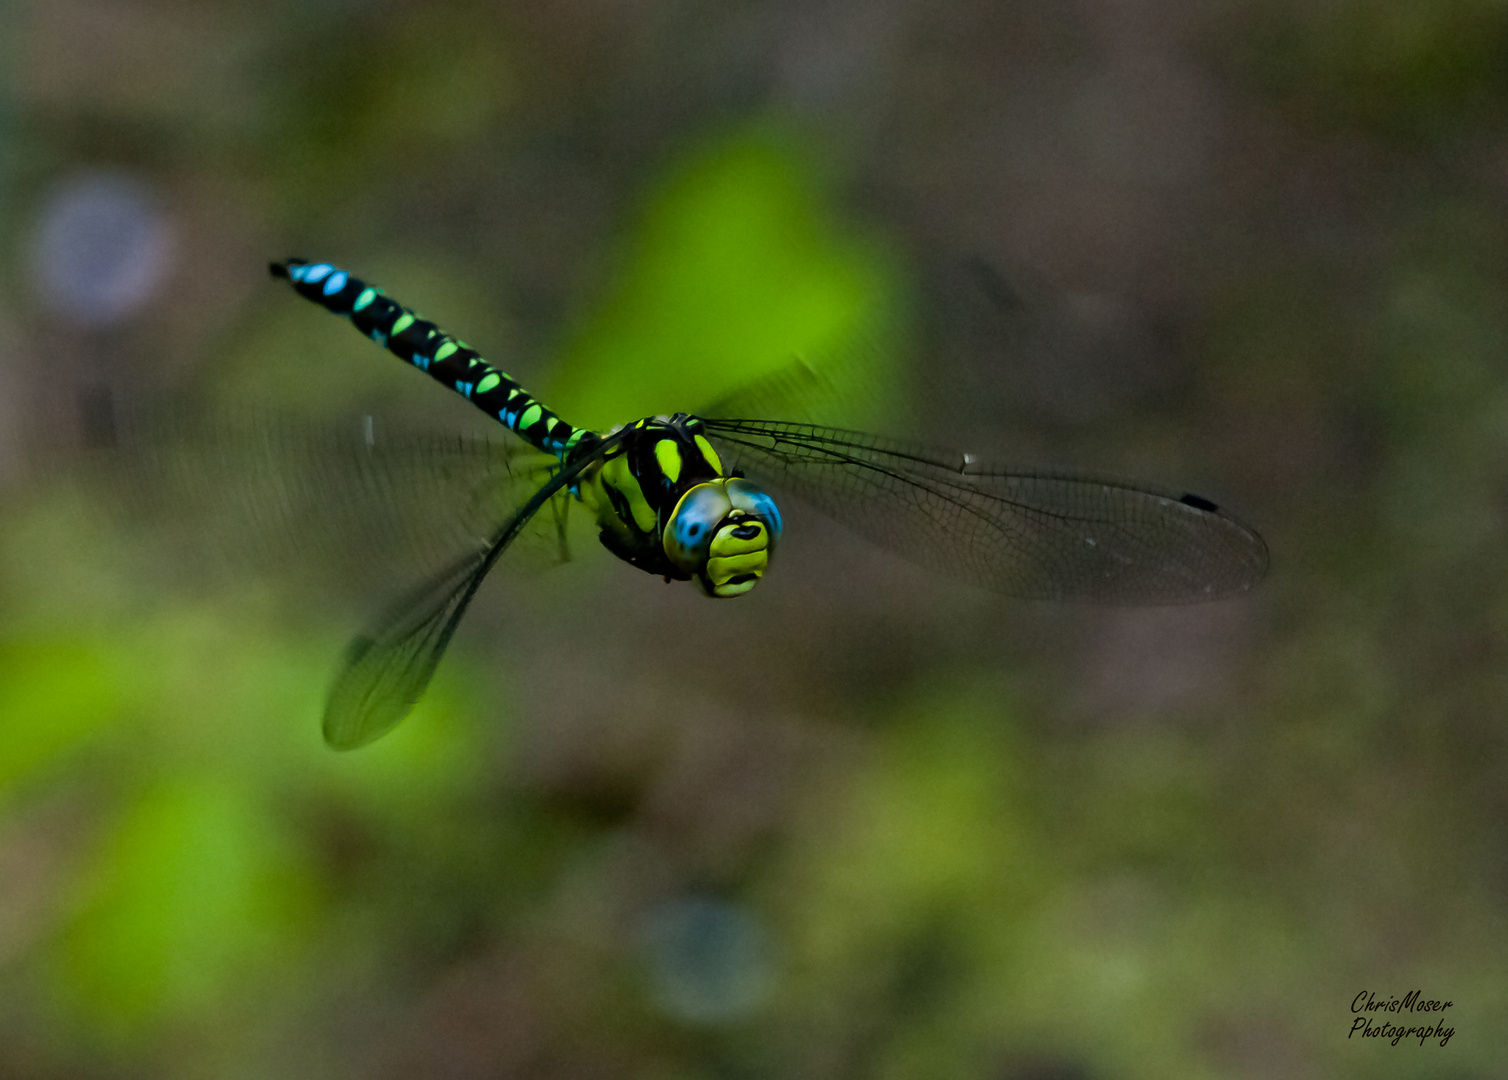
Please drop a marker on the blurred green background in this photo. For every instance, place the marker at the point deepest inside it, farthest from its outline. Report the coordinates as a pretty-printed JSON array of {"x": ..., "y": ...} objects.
[{"x": 863, "y": 823}]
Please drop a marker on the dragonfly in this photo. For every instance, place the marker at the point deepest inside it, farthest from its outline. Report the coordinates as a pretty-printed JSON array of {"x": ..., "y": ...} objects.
[{"x": 684, "y": 497}]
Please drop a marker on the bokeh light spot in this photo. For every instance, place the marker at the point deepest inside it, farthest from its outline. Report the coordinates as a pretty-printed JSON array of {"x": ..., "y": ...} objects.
[
  {"x": 710, "y": 961},
  {"x": 102, "y": 247}
]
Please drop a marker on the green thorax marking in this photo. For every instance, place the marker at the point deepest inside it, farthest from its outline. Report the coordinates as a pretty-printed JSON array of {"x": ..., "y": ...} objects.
[{"x": 639, "y": 482}]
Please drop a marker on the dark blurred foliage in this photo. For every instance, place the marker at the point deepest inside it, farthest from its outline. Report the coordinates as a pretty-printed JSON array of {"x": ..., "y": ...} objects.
[{"x": 864, "y": 822}]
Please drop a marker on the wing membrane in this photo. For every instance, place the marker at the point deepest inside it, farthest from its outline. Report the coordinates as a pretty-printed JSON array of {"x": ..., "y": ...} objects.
[
  {"x": 387, "y": 669},
  {"x": 358, "y": 497},
  {"x": 1037, "y": 535}
]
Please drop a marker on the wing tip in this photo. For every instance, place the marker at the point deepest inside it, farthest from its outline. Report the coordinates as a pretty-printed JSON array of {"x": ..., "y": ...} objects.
[{"x": 346, "y": 731}]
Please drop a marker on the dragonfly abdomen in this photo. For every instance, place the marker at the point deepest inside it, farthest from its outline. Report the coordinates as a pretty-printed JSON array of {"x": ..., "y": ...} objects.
[{"x": 421, "y": 343}]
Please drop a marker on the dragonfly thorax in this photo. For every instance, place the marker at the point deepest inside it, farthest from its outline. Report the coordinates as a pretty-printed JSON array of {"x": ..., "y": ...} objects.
[{"x": 663, "y": 504}]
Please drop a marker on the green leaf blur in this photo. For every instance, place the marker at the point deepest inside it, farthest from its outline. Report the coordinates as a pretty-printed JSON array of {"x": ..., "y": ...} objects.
[
  {"x": 53, "y": 695},
  {"x": 734, "y": 269},
  {"x": 192, "y": 893}
]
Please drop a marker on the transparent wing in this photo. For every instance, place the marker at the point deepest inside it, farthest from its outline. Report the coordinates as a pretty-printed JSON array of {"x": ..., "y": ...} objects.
[
  {"x": 1032, "y": 535},
  {"x": 359, "y": 497},
  {"x": 387, "y": 669},
  {"x": 847, "y": 382}
]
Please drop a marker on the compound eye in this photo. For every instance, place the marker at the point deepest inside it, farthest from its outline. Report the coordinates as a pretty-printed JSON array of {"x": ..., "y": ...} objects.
[
  {"x": 693, "y": 524},
  {"x": 752, "y": 499}
]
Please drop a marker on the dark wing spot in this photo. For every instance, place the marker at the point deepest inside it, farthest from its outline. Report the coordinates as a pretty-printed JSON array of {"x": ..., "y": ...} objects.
[{"x": 1200, "y": 504}]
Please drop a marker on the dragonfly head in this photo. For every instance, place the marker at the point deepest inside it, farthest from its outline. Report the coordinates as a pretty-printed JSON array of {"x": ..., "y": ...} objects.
[{"x": 722, "y": 533}]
